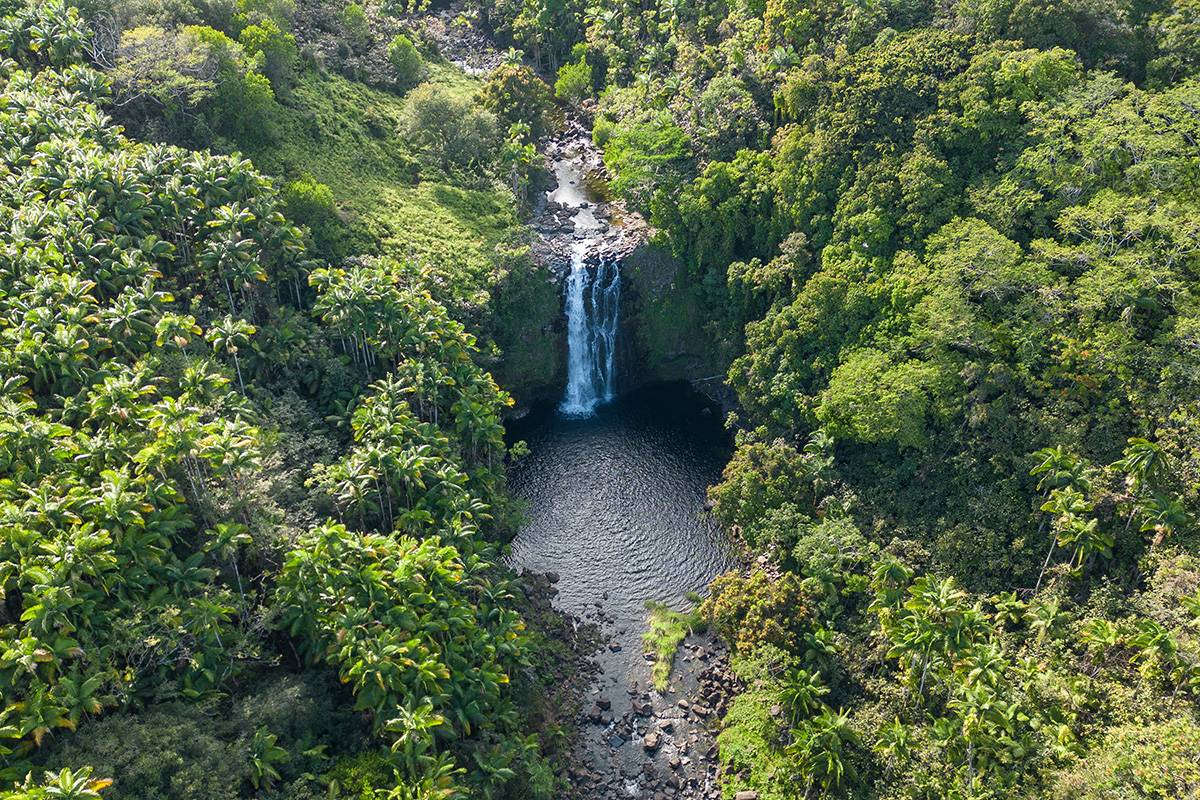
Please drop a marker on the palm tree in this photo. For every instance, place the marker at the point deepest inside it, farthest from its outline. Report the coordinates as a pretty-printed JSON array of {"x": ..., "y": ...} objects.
[
  {"x": 1144, "y": 465},
  {"x": 71, "y": 785},
  {"x": 801, "y": 692},
  {"x": 1088, "y": 539},
  {"x": 819, "y": 750},
  {"x": 264, "y": 755},
  {"x": 226, "y": 335},
  {"x": 1065, "y": 504},
  {"x": 224, "y": 540},
  {"x": 414, "y": 725},
  {"x": 1044, "y": 617},
  {"x": 1162, "y": 515},
  {"x": 781, "y": 58}
]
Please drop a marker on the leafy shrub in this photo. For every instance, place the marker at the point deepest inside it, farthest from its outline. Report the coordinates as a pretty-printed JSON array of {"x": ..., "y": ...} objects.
[
  {"x": 759, "y": 608},
  {"x": 649, "y": 155},
  {"x": 667, "y": 630},
  {"x": 761, "y": 477},
  {"x": 175, "y": 750},
  {"x": 727, "y": 118},
  {"x": 159, "y": 73},
  {"x": 409, "y": 68},
  {"x": 275, "y": 50},
  {"x": 243, "y": 104},
  {"x": 515, "y": 93},
  {"x": 311, "y": 203},
  {"x": 574, "y": 82},
  {"x": 356, "y": 26},
  {"x": 448, "y": 130},
  {"x": 1137, "y": 761}
]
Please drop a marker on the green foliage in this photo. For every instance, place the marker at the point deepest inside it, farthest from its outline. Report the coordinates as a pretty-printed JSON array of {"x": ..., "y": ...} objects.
[
  {"x": 275, "y": 50},
  {"x": 349, "y": 137},
  {"x": 545, "y": 29},
  {"x": 870, "y": 398},
  {"x": 958, "y": 251},
  {"x": 195, "y": 84},
  {"x": 748, "y": 745},
  {"x": 406, "y": 61},
  {"x": 65, "y": 785},
  {"x": 115, "y": 416},
  {"x": 413, "y": 626},
  {"x": 515, "y": 94},
  {"x": 667, "y": 630},
  {"x": 574, "y": 82},
  {"x": 727, "y": 119},
  {"x": 648, "y": 155},
  {"x": 144, "y": 492},
  {"x": 356, "y": 27},
  {"x": 310, "y": 202},
  {"x": 208, "y": 751},
  {"x": 1135, "y": 761},
  {"x": 448, "y": 130},
  {"x": 758, "y": 609}
]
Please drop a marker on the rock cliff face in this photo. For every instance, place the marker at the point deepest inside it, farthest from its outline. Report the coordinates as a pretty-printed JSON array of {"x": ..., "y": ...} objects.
[
  {"x": 663, "y": 331},
  {"x": 662, "y": 334}
]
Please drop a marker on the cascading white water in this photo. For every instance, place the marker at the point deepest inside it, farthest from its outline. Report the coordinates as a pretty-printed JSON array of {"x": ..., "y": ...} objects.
[{"x": 593, "y": 303}]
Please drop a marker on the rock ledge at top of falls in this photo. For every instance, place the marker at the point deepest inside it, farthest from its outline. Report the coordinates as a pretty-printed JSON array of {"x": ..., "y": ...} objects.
[{"x": 613, "y": 232}]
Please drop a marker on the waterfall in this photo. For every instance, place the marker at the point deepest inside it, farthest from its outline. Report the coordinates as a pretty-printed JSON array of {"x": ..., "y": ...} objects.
[{"x": 593, "y": 301}]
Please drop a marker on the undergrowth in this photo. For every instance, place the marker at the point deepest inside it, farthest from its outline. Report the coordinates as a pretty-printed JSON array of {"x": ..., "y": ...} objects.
[{"x": 668, "y": 629}]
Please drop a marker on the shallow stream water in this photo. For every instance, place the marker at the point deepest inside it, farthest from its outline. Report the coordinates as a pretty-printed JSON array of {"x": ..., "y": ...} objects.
[{"x": 616, "y": 513}]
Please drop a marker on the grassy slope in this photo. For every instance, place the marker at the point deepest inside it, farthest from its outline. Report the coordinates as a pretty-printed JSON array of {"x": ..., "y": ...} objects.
[{"x": 344, "y": 134}]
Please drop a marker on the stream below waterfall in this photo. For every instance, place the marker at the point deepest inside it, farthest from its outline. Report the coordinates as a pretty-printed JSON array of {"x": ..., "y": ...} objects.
[
  {"x": 615, "y": 513},
  {"x": 614, "y": 487}
]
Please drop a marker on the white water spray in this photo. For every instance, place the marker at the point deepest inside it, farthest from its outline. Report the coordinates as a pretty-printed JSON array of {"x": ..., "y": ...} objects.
[{"x": 593, "y": 303}]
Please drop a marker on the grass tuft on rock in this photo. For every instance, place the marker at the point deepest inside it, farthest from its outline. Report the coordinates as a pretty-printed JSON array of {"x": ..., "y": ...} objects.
[{"x": 668, "y": 629}]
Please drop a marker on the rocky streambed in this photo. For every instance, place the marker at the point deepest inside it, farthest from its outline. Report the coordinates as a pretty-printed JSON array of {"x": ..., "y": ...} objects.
[
  {"x": 616, "y": 518},
  {"x": 574, "y": 208}
]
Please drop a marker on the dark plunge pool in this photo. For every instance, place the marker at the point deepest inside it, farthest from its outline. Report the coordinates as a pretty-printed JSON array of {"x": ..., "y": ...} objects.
[{"x": 615, "y": 504}]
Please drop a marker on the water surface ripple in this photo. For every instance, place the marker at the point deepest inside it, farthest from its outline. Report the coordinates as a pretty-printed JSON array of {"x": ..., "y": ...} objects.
[{"x": 615, "y": 503}]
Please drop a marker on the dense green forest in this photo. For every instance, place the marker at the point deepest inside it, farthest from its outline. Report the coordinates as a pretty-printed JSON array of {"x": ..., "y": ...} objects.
[
  {"x": 252, "y": 474},
  {"x": 950, "y": 253},
  {"x": 264, "y": 272}
]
